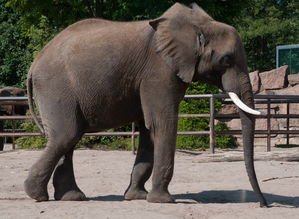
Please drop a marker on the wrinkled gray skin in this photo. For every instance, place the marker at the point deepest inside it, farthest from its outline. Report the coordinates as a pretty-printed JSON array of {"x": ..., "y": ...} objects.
[{"x": 99, "y": 74}]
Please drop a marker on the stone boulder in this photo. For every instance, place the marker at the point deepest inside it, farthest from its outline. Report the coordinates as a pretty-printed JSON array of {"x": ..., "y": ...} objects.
[
  {"x": 255, "y": 81},
  {"x": 228, "y": 109},
  {"x": 261, "y": 124},
  {"x": 291, "y": 90},
  {"x": 274, "y": 82},
  {"x": 275, "y": 79},
  {"x": 293, "y": 79}
]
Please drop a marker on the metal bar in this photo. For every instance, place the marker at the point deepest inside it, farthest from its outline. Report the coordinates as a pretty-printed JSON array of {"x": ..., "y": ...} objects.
[
  {"x": 13, "y": 128},
  {"x": 268, "y": 99},
  {"x": 236, "y": 116},
  {"x": 288, "y": 124},
  {"x": 281, "y": 116},
  {"x": 290, "y": 46},
  {"x": 257, "y": 132},
  {"x": 2, "y": 140},
  {"x": 259, "y": 96},
  {"x": 277, "y": 56},
  {"x": 220, "y": 96},
  {"x": 194, "y": 133},
  {"x": 204, "y": 115},
  {"x": 15, "y": 117},
  {"x": 12, "y": 98},
  {"x": 268, "y": 126},
  {"x": 212, "y": 123},
  {"x": 274, "y": 101},
  {"x": 110, "y": 134},
  {"x": 18, "y": 134},
  {"x": 133, "y": 137}
]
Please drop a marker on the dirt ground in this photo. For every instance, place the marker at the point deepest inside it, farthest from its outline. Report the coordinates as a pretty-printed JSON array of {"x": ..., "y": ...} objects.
[{"x": 203, "y": 189}]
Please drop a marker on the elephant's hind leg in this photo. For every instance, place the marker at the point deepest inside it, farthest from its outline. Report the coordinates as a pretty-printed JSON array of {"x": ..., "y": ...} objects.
[
  {"x": 143, "y": 166},
  {"x": 63, "y": 129},
  {"x": 36, "y": 183},
  {"x": 64, "y": 182},
  {"x": 58, "y": 145}
]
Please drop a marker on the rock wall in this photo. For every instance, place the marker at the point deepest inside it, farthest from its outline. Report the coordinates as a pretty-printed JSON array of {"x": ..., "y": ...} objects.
[{"x": 277, "y": 82}]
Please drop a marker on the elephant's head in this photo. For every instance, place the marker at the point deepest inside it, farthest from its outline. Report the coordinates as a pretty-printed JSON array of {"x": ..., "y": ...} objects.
[
  {"x": 20, "y": 108},
  {"x": 198, "y": 48}
]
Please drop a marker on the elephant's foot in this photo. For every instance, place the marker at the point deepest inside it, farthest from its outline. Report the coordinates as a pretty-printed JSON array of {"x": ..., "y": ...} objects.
[
  {"x": 70, "y": 195},
  {"x": 134, "y": 194},
  {"x": 67, "y": 191},
  {"x": 36, "y": 190},
  {"x": 159, "y": 197}
]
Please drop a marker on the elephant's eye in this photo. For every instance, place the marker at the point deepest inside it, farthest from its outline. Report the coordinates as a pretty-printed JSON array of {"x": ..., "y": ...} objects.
[{"x": 226, "y": 61}]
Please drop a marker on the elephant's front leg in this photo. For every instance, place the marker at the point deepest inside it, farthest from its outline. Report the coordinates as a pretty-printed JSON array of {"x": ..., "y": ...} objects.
[
  {"x": 164, "y": 151},
  {"x": 160, "y": 102},
  {"x": 143, "y": 165}
]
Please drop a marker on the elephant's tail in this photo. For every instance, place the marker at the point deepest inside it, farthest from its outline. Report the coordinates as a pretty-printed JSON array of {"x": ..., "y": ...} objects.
[{"x": 30, "y": 103}]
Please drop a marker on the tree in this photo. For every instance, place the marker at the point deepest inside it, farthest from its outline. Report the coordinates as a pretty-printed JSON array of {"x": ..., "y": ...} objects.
[
  {"x": 41, "y": 20},
  {"x": 266, "y": 24},
  {"x": 14, "y": 54},
  {"x": 28, "y": 25}
]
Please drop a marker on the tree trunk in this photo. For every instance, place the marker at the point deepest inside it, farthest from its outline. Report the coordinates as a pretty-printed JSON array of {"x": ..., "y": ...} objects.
[{"x": 99, "y": 8}]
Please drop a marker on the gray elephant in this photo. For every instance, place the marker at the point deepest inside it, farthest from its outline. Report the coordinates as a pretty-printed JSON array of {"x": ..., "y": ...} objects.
[
  {"x": 98, "y": 74},
  {"x": 20, "y": 108}
]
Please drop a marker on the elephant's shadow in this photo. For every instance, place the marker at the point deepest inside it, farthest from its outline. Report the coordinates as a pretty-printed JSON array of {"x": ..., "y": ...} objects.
[
  {"x": 237, "y": 196},
  {"x": 220, "y": 196}
]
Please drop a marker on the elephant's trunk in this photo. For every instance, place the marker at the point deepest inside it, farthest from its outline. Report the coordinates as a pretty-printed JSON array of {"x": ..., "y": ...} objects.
[{"x": 248, "y": 127}]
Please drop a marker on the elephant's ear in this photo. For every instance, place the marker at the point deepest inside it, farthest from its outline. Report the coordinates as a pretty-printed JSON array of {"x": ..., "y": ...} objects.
[{"x": 179, "y": 43}]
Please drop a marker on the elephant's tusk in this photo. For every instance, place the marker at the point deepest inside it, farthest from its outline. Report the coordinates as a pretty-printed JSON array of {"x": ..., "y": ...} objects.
[{"x": 242, "y": 105}]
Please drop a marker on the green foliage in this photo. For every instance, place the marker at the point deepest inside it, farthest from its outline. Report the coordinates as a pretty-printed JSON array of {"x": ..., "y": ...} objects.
[
  {"x": 35, "y": 142},
  {"x": 105, "y": 142},
  {"x": 60, "y": 13},
  {"x": 15, "y": 57},
  {"x": 193, "y": 106},
  {"x": 264, "y": 25},
  {"x": 27, "y": 25},
  {"x": 40, "y": 34},
  {"x": 64, "y": 12},
  {"x": 224, "y": 141},
  {"x": 97, "y": 141},
  {"x": 122, "y": 143}
]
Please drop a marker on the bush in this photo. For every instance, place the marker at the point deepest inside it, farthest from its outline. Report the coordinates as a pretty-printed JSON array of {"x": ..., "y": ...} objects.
[
  {"x": 35, "y": 142},
  {"x": 190, "y": 106},
  {"x": 105, "y": 142}
]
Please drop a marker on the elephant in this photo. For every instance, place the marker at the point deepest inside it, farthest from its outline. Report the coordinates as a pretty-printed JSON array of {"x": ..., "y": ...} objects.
[
  {"x": 98, "y": 74},
  {"x": 19, "y": 109}
]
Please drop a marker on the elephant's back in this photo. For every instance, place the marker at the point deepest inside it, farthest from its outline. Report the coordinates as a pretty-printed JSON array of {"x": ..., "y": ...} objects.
[
  {"x": 87, "y": 41},
  {"x": 67, "y": 37},
  {"x": 90, "y": 63}
]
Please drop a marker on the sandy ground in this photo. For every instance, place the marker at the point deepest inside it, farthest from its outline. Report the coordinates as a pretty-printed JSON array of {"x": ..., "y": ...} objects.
[{"x": 202, "y": 189}]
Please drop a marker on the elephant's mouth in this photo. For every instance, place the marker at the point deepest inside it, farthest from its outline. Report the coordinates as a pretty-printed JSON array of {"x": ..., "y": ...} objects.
[{"x": 242, "y": 105}]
